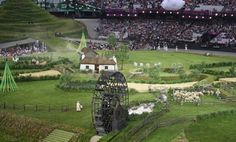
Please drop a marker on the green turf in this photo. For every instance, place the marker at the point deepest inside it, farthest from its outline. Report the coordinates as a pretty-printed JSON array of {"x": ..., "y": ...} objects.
[
  {"x": 47, "y": 94},
  {"x": 219, "y": 129},
  {"x": 210, "y": 104},
  {"x": 165, "y": 58},
  {"x": 167, "y": 134},
  {"x": 23, "y": 11},
  {"x": 44, "y": 93},
  {"x": 168, "y": 58}
]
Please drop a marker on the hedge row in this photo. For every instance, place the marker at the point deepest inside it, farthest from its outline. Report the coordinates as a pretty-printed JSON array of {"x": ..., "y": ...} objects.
[
  {"x": 17, "y": 72},
  {"x": 28, "y": 65},
  {"x": 17, "y": 126},
  {"x": 77, "y": 85},
  {"x": 219, "y": 73},
  {"x": 30, "y": 78},
  {"x": 213, "y": 65},
  {"x": 172, "y": 80},
  {"x": 27, "y": 58}
]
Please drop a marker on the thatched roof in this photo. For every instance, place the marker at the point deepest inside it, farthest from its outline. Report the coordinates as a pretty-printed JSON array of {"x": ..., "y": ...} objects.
[{"x": 98, "y": 61}]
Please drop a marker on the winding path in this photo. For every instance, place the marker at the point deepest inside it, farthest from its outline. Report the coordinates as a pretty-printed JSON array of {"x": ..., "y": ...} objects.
[
  {"x": 91, "y": 25},
  {"x": 145, "y": 87}
]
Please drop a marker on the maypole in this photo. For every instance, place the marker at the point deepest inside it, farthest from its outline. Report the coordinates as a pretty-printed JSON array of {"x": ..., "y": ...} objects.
[{"x": 8, "y": 83}]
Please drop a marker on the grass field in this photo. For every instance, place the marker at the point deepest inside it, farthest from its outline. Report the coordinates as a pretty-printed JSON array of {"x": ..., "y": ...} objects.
[
  {"x": 219, "y": 129},
  {"x": 21, "y": 18},
  {"x": 30, "y": 93},
  {"x": 165, "y": 58},
  {"x": 47, "y": 94},
  {"x": 167, "y": 134}
]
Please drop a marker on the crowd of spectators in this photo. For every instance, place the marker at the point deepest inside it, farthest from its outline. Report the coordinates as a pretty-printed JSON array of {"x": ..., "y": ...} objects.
[
  {"x": 229, "y": 5},
  {"x": 143, "y": 33},
  {"x": 99, "y": 46},
  {"x": 23, "y": 50}
]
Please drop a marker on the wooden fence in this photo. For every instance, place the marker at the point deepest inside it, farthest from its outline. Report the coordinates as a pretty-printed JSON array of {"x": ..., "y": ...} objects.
[{"x": 38, "y": 107}]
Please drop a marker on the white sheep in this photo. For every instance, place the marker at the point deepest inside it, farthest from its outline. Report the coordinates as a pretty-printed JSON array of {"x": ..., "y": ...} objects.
[{"x": 187, "y": 97}]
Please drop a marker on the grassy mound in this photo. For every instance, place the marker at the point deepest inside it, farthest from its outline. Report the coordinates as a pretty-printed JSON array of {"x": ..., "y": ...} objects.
[
  {"x": 23, "y": 18},
  {"x": 23, "y": 11}
]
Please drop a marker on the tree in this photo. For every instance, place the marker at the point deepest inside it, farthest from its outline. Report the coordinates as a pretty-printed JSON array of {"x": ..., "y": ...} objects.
[
  {"x": 195, "y": 73},
  {"x": 122, "y": 54},
  {"x": 154, "y": 72},
  {"x": 112, "y": 40}
]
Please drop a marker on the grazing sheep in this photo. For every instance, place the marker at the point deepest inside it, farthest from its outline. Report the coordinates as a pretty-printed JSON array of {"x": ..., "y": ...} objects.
[{"x": 187, "y": 97}]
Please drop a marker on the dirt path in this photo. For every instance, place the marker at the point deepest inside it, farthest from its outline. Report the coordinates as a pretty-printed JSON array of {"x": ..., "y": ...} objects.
[
  {"x": 43, "y": 73},
  {"x": 227, "y": 79},
  {"x": 95, "y": 138},
  {"x": 145, "y": 87}
]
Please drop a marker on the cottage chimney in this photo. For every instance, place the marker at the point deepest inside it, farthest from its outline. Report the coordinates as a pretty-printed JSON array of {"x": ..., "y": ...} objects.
[
  {"x": 82, "y": 56},
  {"x": 114, "y": 58}
]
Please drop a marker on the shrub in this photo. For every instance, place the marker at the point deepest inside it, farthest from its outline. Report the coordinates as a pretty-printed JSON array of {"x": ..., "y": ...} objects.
[
  {"x": 30, "y": 78},
  {"x": 77, "y": 85}
]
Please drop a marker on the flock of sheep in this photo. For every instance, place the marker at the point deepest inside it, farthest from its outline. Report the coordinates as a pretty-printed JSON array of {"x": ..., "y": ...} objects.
[{"x": 192, "y": 97}]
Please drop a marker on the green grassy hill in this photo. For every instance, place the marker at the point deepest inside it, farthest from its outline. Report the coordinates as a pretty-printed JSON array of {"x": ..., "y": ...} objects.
[
  {"x": 23, "y": 18},
  {"x": 23, "y": 11}
]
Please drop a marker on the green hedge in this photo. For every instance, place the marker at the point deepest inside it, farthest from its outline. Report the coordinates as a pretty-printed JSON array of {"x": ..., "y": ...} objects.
[
  {"x": 30, "y": 78},
  {"x": 172, "y": 80},
  {"x": 219, "y": 73},
  {"x": 213, "y": 65},
  {"x": 26, "y": 64},
  {"x": 77, "y": 85}
]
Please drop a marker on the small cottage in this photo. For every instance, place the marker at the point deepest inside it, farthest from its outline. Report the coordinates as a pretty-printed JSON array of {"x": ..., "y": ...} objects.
[{"x": 91, "y": 61}]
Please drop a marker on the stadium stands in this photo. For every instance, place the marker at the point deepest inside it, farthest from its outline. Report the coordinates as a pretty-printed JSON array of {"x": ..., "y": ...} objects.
[{"x": 145, "y": 33}]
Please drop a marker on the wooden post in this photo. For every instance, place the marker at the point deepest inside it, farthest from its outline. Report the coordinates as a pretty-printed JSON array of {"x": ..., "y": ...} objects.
[{"x": 36, "y": 108}]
